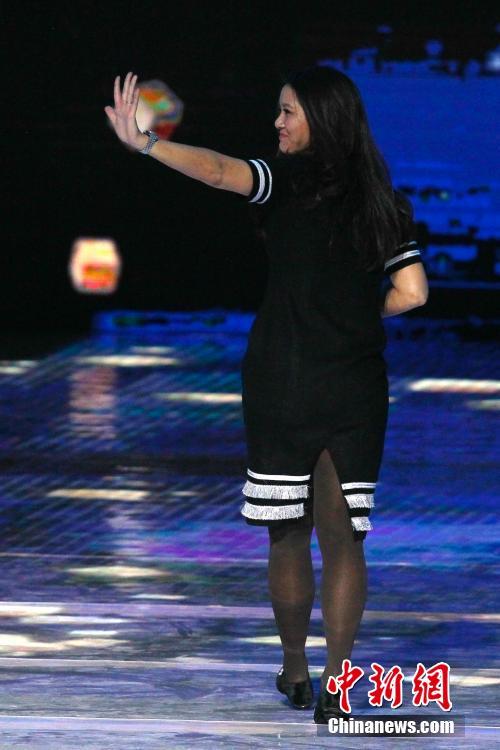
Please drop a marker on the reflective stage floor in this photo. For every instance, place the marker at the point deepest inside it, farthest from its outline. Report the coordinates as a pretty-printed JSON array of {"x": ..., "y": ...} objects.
[{"x": 134, "y": 610}]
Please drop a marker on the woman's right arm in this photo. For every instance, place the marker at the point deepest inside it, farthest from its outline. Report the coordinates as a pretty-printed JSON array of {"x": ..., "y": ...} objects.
[{"x": 212, "y": 168}]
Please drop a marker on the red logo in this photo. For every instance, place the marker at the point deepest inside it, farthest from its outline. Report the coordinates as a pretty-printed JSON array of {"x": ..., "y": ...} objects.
[
  {"x": 344, "y": 682},
  {"x": 432, "y": 684},
  {"x": 388, "y": 687}
]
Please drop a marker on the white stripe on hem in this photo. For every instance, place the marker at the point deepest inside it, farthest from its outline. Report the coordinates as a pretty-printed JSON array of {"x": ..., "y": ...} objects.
[
  {"x": 282, "y": 477},
  {"x": 352, "y": 485}
]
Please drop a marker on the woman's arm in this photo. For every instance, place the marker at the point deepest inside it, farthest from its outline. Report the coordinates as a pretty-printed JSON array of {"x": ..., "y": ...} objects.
[
  {"x": 210, "y": 167},
  {"x": 409, "y": 289}
]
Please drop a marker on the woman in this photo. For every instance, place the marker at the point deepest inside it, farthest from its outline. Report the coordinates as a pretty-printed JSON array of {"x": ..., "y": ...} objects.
[{"x": 315, "y": 390}]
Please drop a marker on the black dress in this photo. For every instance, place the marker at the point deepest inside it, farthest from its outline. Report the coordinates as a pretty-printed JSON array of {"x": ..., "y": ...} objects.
[{"x": 313, "y": 375}]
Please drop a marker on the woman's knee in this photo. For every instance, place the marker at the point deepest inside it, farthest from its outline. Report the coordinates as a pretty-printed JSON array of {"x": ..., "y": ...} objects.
[{"x": 298, "y": 529}]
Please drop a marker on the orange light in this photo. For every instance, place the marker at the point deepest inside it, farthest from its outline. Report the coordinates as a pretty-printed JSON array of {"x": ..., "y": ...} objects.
[
  {"x": 159, "y": 108},
  {"x": 95, "y": 265}
]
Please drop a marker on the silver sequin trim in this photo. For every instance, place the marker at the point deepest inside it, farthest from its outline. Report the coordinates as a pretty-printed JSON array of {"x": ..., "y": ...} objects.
[
  {"x": 360, "y": 501},
  {"x": 272, "y": 512},
  {"x": 278, "y": 491},
  {"x": 361, "y": 523}
]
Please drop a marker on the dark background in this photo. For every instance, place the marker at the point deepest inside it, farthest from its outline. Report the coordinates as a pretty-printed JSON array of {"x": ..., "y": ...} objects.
[{"x": 184, "y": 246}]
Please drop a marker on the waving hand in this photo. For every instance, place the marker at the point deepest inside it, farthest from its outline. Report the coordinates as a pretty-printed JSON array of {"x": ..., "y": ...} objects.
[{"x": 122, "y": 115}]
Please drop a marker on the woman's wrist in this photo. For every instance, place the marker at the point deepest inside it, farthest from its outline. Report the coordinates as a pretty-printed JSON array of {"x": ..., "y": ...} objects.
[{"x": 141, "y": 142}]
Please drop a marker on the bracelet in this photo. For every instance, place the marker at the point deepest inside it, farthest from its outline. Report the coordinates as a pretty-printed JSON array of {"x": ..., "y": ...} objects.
[{"x": 152, "y": 138}]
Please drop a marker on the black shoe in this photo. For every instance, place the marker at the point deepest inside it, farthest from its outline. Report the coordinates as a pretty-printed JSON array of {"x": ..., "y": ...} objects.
[
  {"x": 328, "y": 707},
  {"x": 300, "y": 694}
]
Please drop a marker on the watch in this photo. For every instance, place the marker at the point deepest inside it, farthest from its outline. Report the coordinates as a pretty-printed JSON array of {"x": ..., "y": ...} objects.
[{"x": 152, "y": 138}]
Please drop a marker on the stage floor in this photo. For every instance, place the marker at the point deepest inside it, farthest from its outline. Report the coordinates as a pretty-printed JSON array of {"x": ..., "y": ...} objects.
[{"x": 133, "y": 596}]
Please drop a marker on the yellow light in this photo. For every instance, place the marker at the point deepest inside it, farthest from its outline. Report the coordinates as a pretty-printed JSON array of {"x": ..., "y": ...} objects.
[
  {"x": 118, "y": 571},
  {"x": 101, "y": 633},
  {"x": 486, "y": 404},
  {"x": 69, "y": 619},
  {"x": 116, "y": 360},
  {"x": 15, "y": 367},
  {"x": 26, "y": 610},
  {"x": 313, "y": 641},
  {"x": 20, "y": 645},
  {"x": 454, "y": 385},
  {"x": 211, "y": 398},
  {"x": 92, "y": 494},
  {"x": 95, "y": 265}
]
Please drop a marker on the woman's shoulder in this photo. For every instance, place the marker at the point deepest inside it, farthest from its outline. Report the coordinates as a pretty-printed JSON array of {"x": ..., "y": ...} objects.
[{"x": 403, "y": 205}]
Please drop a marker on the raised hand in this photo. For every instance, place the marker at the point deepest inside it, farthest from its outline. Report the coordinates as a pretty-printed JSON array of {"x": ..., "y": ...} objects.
[{"x": 122, "y": 115}]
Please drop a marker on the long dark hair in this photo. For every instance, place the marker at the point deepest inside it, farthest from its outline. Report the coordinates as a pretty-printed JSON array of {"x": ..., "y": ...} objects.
[{"x": 345, "y": 164}]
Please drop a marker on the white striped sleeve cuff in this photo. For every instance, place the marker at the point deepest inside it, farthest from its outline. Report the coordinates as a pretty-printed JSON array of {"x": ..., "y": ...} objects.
[
  {"x": 262, "y": 181},
  {"x": 407, "y": 253}
]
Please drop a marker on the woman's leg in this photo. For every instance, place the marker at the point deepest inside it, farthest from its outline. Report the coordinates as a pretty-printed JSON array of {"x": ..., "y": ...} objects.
[
  {"x": 291, "y": 586},
  {"x": 343, "y": 577}
]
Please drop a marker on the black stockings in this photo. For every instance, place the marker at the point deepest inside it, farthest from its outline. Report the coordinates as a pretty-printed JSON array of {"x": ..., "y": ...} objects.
[
  {"x": 343, "y": 576},
  {"x": 291, "y": 585}
]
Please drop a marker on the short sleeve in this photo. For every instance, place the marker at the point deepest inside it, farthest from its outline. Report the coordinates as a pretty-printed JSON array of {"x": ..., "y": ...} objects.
[
  {"x": 271, "y": 177},
  {"x": 262, "y": 187},
  {"x": 408, "y": 252}
]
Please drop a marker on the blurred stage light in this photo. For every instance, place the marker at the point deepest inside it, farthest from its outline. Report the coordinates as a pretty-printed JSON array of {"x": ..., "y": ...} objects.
[
  {"x": 313, "y": 641},
  {"x": 492, "y": 61},
  {"x": 89, "y": 493},
  {"x": 159, "y": 109},
  {"x": 100, "y": 633},
  {"x": 16, "y": 367},
  {"x": 127, "y": 360},
  {"x": 485, "y": 404},
  {"x": 434, "y": 47},
  {"x": 95, "y": 265},
  {"x": 118, "y": 571},
  {"x": 199, "y": 398},
  {"x": 455, "y": 385},
  {"x": 22, "y": 609},
  {"x": 72, "y": 619}
]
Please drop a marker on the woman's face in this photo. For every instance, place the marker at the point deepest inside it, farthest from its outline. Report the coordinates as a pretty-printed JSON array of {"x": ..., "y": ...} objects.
[{"x": 291, "y": 122}]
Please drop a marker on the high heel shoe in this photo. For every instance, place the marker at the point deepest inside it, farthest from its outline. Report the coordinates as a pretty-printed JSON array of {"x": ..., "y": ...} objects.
[
  {"x": 327, "y": 707},
  {"x": 299, "y": 694}
]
